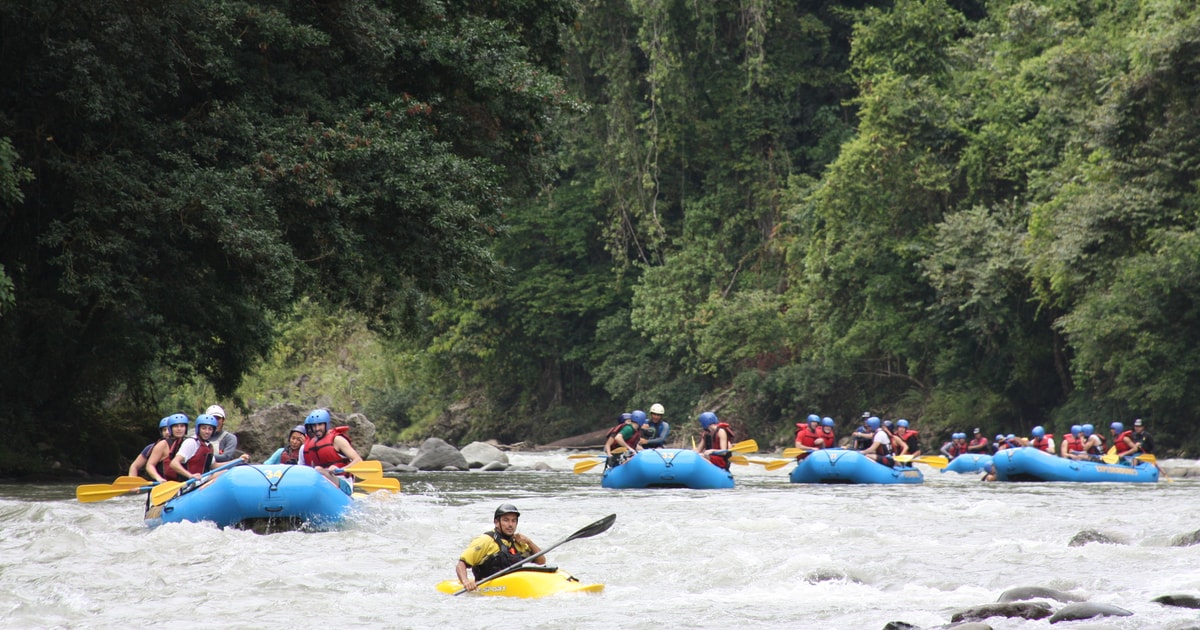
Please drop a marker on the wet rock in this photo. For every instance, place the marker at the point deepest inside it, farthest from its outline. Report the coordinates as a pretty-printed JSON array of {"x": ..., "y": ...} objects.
[
  {"x": 390, "y": 455},
  {"x": 1022, "y": 610},
  {"x": 1087, "y": 610},
  {"x": 395, "y": 470},
  {"x": 900, "y": 625},
  {"x": 542, "y": 467},
  {"x": 437, "y": 454},
  {"x": 1036, "y": 592},
  {"x": 480, "y": 454},
  {"x": 1182, "y": 601},
  {"x": 1186, "y": 540},
  {"x": 830, "y": 575},
  {"x": 970, "y": 625},
  {"x": 1092, "y": 536},
  {"x": 494, "y": 466}
]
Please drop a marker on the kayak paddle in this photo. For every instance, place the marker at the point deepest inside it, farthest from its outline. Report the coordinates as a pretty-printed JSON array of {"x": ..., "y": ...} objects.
[
  {"x": 92, "y": 493},
  {"x": 598, "y": 527},
  {"x": 1111, "y": 456},
  {"x": 583, "y": 467},
  {"x": 363, "y": 470},
  {"x": 381, "y": 483},
  {"x": 936, "y": 461},
  {"x": 615, "y": 451}
]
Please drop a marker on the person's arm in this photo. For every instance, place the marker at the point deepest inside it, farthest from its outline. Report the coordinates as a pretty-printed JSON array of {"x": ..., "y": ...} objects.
[
  {"x": 159, "y": 452},
  {"x": 342, "y": 445},
  {"x": 274, "y": 458},
  {"x": 137, "y": 464},
  {"x": 522, "y": 539},
  {"x": 660, "y": 440},
  {"x": 227, "y": 448},
  {"x": 465, "y": 577}
]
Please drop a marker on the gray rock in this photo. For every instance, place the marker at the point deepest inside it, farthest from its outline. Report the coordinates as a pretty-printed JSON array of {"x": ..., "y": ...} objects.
[
  {"x": 1022, "y": 610},
  {"x": 390, "y": 455},
  {"x": 970, "y": 625},
  {"x": 900, "y": 625},
  {"x": 1182, "y": 601},
  {"x": 491, "y": 466},
  {"x": 265, "y": 430},
  {"x": 1092, "y": 536},
  {"x": 402, "y": 468},
  {"x": 1186, "y": 540},
  {"x": 829, "y": 575},
  {"x": 1036, "y": 592},
  {"x": 480, "y": 454},
  {"x": 542, "y": 467},
  {"x": 437, "y": 454},
  {"x": 1087, "y": 610}
]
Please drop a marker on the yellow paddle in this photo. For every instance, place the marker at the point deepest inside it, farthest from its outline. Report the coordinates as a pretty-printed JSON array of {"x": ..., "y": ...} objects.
[
  {"x": 167, "y": 489},
  {"x": 742, "y": 460},
  {"x": 1111, "y": 456},
  {"x": 793, "y": 453},
  {"x": 381, "y": 483},
  {"x": 92, "y": 493},
  {"x": 583, "y": 467},
  {"x": 937, "y": 461},
  {"x": 365, "y": 469}
]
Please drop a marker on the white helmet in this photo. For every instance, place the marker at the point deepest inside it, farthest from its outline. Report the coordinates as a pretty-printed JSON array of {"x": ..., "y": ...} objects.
[
  {"x": 215, "y": 410},
  {"x": 658, "y": 409}
]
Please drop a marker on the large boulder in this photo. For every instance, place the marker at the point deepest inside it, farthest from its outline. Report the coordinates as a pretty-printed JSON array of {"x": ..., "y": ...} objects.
[
  {"x": 263, "y": 431},
  {"x": 390, "y": 455},
  {"x": 480, "y": 454},
  {"x": 437, "y": 454}
]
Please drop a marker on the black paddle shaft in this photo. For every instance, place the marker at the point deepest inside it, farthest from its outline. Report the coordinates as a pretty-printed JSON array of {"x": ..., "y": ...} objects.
[{"x": 598, "y": 527}]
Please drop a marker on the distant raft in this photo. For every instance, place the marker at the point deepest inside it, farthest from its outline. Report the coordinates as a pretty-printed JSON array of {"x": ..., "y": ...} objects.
[
  {"x": 667, "y": 468},
  {"x": 1030, "y": 464},
  {"x": 836, "y": 465},
  {"x": 274, "y": 498},
  {"x": 969, "y": 463},
  {"x": 528, "y": 582}
]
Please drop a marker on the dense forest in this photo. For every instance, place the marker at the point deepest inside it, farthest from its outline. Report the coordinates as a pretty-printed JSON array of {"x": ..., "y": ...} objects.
[{"x": 517, "y": 219}]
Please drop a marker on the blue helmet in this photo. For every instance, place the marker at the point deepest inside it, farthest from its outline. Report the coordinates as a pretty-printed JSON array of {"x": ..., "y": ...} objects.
[
  {"x": 873, "y": 422},
  {"x": 1076, "y": 429},
  {"x": 638, "y": 417},
  {"x": 317, "y": 416},
  {"x": 1088, "y": 429},
  {"x": 826, "y": 421},
  {"x": 626, "y": 416},
  {"x": 887, "y": 424},
  {"x": 902, "y": 423},
  {"x": 1117, "y": 427},
  {"x": 205, "y": 419},
  {"x": 1038, "y": 431},
  {"x": 812, "y": 417},
  {"x": 958, "y": 436},
  {"x": 707, "y": 419},
  {"x": 162, "y": 424},
  {"x": 176, "y": 418}
]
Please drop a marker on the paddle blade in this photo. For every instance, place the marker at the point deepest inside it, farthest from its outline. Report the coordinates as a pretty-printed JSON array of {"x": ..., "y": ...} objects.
[
  {"x": 130, "y": 482},
  {"x": 598, "y": 527},
  {"x": 375, "y": 485},
  {"x": 793, "y": 453},
  {"x": 365, "y": 469},
  {"x": 740, "y": 460},
  {"x": 745, "y": 446},
  {"x": 164, "y": 491},
  {"x": 91, "y": 493},
  {"x": 1147, "y": 458},
  {"x": 777, "y": 464},
  {"x": 936, "y": 461},
  {"x": 583, "y": 467},
  {"x": 904, "y": 459},
  {"x": 1110, "y": 458}
]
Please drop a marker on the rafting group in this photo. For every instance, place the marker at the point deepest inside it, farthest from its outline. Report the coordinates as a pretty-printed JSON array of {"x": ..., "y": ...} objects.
[{"x": 199, "y": 475}]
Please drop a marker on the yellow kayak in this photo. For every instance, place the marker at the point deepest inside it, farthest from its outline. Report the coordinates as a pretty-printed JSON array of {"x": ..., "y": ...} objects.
[{"x": 528, "y": 583}]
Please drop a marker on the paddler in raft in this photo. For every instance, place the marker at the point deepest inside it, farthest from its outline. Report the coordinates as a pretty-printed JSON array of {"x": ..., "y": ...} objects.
[
  {"x": 327, "y": 448},
  {"x": 195, "y": 455},
  {"x": 1041, "y": 440},
  {"x": 626, "y": 436},
  {"x": 655, "y": 432},
  {"x": 135, "y": 469},
  {"x": 496, "y": 550},
  {"x": 715, "y": 440},
  {"x": 809, "y": 437},
  {"x": 880, "y": 449},
  {"x": 158, "y": 464},
  {"x": 290, "y": 453}
]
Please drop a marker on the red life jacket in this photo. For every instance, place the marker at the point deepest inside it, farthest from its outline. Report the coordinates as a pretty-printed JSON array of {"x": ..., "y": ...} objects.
[
  {"x": 909, "y": 434},
  {"x": 981, "y": 441},
  {"x": 1120, "y": 441},
  {"x": 1043, "y": 443},
  {"x": 633, "y": 441},
  {"x": 883, "y": 452},
  {"x": 709, "y": 440},
  {"x": 1074, "y": 442},
  {"x": 201, "y": 461},
  {"x": 164, "y": 465},
  {"x": 288, "y": 456},
  {"x": 806, "y": 436},
  {"x": 829, "y": 437},
  {"x": 320, "y": 452},
  {"x": 1096, "y": 450},
  {"x": 955, "y": 449}
]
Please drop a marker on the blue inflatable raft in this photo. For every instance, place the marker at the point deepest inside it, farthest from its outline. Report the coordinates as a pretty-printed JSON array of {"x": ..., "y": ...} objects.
[
  {"x": 1031, "y": 464},
  {"x": 261, "y": 497},
  {"x": 667, "y": 468},
  {"x": 969, "y": 463},
  {"x": 837, "y": 465}
]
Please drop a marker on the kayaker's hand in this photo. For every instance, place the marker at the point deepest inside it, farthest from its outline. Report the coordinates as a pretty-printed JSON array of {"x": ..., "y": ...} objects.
[{"x": 470, "y": 585}]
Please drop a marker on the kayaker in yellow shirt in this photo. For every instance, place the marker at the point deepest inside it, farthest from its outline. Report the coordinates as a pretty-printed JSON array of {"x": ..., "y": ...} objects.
[{"x": 496, "y": 550}]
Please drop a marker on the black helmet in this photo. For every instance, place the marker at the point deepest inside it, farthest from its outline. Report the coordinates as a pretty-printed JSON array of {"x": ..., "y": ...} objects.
[{"x": 506, "y": 508}]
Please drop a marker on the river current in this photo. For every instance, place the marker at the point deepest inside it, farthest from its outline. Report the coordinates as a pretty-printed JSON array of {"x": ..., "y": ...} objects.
[{"x": 766, "y": 554}]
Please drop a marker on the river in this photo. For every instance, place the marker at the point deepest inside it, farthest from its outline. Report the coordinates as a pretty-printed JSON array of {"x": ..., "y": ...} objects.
[{"x": 767, "y": 554}]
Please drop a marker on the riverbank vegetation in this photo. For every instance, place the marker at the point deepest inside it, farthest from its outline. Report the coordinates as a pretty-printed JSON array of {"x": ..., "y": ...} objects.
[{"x": 517, "y": 220}]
